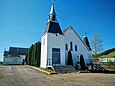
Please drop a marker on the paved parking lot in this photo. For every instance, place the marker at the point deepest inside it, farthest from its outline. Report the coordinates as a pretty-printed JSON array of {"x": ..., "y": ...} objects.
[{"x": 25, "y": 76}]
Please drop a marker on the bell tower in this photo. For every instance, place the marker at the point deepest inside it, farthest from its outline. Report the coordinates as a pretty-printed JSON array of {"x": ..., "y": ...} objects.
[{"x": 52, "y": 46}]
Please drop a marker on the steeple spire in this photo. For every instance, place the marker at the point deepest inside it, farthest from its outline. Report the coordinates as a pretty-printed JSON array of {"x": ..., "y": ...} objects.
[
  {"x": 53, "y": 25},
  {"x": 52, "y": 14},
  {"x": 53, "y": 1},
  {"x": 87, "y": 41}
]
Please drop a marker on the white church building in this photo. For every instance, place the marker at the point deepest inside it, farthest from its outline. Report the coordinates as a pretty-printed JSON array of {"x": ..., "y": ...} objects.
[{"x": 55, "y": 45}]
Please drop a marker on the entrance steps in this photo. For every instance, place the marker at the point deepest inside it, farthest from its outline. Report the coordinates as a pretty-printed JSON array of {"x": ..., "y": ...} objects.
[
  {"x": 98, "y": 67},
  {"x": 64, "y": 69}
]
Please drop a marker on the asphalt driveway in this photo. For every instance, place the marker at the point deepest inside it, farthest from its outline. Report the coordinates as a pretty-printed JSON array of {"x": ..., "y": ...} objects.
[{"x": 25, "y": 76}]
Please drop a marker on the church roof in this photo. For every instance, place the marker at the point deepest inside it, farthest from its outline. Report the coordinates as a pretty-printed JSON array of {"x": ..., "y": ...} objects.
[
  {"x": 87, "y": 42},
  {"x": 6, "y": 53},
  {"x": 17, "y": 51},
  {"x": 53, "y": 27}
]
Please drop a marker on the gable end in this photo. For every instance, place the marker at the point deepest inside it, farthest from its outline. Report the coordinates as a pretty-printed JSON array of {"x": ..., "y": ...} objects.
[{"x": 77, "y": 35}]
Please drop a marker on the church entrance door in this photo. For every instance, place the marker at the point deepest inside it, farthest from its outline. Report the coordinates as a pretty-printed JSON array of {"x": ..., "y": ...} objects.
[{"x": 56, "y": 56}]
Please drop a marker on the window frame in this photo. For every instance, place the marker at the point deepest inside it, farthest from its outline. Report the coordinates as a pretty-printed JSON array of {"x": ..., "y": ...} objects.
[
  {"x": 75, "y": 47},
  {"x": 71, "y": 46},
  {"x": 66, "y": 46}
]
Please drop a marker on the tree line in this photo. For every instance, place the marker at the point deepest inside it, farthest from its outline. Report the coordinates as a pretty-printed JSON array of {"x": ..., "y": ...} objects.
[{"x": 33, "y": 55}]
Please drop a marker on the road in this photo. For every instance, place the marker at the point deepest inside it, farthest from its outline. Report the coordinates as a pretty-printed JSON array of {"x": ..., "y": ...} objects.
[{"x": 25, "y": 76}]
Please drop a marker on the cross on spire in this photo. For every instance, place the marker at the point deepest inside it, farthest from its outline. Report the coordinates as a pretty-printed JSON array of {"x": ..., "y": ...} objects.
[
  {"x": 53, "y": 2},
  {"x": 85, "y": 34},
  {"x": 52, "y": 15}
]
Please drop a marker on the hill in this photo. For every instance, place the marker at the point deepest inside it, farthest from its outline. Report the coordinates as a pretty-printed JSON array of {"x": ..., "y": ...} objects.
[
  {"x": 106, "y": 54},
  {"x": 109, "y": 55}
]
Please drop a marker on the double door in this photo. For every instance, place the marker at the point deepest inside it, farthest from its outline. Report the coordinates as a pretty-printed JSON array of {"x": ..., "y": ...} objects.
[{"x": 56, "y": 56}]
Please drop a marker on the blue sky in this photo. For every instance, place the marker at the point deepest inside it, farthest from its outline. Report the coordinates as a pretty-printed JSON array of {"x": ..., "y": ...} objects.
[{"x": 23, "y": 22}]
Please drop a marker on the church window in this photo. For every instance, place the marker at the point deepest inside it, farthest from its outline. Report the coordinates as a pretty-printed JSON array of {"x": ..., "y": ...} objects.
[
  {"x": 56, "y": 50},
  {"x": 71, "y": 48},
  {"x": 75, "y": 47},
  {"x": 66, "y": 46}
]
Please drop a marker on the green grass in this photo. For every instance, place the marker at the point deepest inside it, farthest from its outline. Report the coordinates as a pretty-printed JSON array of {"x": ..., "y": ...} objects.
[
  {"x": 46, "y": 69},
  {"x": 84, "y": 71},
  {"x": 110, "y": 55},
  {"x": 1, "y": 64}
]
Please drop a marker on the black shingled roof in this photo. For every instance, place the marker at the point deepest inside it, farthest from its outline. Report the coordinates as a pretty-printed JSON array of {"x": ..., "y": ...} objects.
[
  {"x": 6, "y": 53},
  {"x": 17, "y": 51},
  {"x": 87, "y": 42},
  {"x": 53, "y": 27}
]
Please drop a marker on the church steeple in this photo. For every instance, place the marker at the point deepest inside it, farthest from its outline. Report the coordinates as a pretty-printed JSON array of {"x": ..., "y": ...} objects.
[
  {"x": 52, "y": 14},
  {"x": 53, "y": 25}
]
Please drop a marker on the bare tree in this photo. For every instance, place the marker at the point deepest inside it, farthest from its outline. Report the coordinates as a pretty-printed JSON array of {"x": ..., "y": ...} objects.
[{"x": 96, "y": 44}]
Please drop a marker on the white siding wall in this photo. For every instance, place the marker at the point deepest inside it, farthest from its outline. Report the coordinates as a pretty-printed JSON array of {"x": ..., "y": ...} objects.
[
  {"x": 56, "y": 42},
  {"x": 13, "y": 60},
  {"x": 105, "y": 59},
  {"x": 44, "y": 41},
  {"x": 70, "y": 36},
  {"x": 22, "y": 57},
  {"x": 53, "y": 41}
]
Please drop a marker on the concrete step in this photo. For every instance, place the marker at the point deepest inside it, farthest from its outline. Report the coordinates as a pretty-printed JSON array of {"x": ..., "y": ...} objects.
[
  {"x": 64, "y": 69},
  {"x": 99, "y": 67}
]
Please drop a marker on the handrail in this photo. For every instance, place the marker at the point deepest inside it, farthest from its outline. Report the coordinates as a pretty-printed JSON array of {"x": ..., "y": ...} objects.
[{"x": 49, "y": 62}]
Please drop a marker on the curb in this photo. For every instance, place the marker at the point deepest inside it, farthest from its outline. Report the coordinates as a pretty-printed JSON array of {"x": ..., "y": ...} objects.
[{"x": 50, "y": 73}]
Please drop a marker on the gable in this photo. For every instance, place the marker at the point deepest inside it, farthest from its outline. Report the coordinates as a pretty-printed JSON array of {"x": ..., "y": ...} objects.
[{"x": 73, "y": 34}]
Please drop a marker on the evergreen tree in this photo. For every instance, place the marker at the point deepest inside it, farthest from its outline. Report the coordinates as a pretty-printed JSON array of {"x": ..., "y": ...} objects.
[
  {"x": 33, "y": 55},
  {"x": 27, "y": 58},
  {"x": 30, "y": 56},
  {"x": 69, "y": 60},
  {"x": 38, "y": 53},
  {"x": 82, "y": 63}
]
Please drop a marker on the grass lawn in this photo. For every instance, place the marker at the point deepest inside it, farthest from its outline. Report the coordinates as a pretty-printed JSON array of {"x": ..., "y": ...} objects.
[{"x": 46, "y": 69}]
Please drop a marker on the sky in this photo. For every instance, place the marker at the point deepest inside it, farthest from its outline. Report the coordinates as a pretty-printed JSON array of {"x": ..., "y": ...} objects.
[{"x": 23, "y": 22}]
